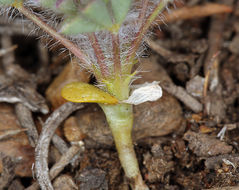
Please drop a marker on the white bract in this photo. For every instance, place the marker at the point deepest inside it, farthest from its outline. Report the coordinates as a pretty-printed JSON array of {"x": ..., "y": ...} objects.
[{"x": 146, "y": 92}]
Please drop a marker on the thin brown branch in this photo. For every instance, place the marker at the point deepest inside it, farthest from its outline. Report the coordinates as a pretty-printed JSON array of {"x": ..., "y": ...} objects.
[
  {"x": 10, "y": 133},
  {"x": 24, "y": 116},
  {"x": 60, "y": 144},
  {"x": 169, "y": 55},
  {"x": 57, "y": 141},
  {"x": 42, "y": 149},
  {"x": 183, "y": 96},
  {"x": 65, "y": 159},
  {"x": 185, "y": 13},
  {"x": 211, "y": 63},
  {"x": 10, "y": 49},
  {"x": 215, "y": 39}
]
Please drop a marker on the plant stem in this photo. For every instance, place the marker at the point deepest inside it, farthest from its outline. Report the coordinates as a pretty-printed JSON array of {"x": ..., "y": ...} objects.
[
  {"x": 68, "y": 44},
  {"x": 99, "y": 54},
  {"x": 144, "y": 28},
  {"x": 120, "y": 120},
  {"x": 143, "y": 11},
  {"x": 116, "y": 53}
]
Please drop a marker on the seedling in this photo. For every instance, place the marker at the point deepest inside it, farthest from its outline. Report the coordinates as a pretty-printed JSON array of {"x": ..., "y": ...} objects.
[{"x": 106, "y": 36}]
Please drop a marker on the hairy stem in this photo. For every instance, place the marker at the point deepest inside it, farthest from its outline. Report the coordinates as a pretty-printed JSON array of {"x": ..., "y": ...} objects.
[
  {"x": 116, "y": 53},
  {"x": 120, "y": 119},
  {"x": 144, "y": 28},
  {"x": 99, "y": 55},
  {"x": 68, "y": 44},
  {"x": 143, "y": 12}
]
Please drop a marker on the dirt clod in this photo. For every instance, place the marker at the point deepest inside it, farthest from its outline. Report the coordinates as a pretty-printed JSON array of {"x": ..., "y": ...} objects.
[
  {"x": 92, "y": 179},
  {"x": 204, "y": 145}
]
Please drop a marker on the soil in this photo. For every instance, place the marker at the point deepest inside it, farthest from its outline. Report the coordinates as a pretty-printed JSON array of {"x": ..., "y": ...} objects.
[{"x": 186, "y": 140}]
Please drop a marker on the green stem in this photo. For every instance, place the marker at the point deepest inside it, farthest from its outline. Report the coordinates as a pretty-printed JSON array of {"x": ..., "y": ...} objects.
[{"x": 120, "y": 120}]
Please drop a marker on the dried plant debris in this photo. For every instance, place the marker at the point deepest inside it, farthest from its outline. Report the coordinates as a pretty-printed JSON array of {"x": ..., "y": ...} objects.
[
  {"x": 8, "y": 173},
  {"x": 223, "y": 169},
  {"x": 195, "y": 86},
  {"x": 225, "y": 188},
  {"x": 90, "y": 179},
  {"x": 157, "y": 167},
  {"x": 206, "y": 146},
  {"x": 64, "y": 182},
  {"x": 21, "y": 91},
  {"x": 216, "y": 162},
  {"x": 16, "y": 184},
  {"x": 25, "y": 118}
]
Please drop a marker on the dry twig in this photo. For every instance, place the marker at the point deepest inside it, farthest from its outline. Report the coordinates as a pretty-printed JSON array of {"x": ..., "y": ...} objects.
[
  {"x": 169, "y": 55},
  {"x": 211, "y": 69},
  {"x": 182, "y": 95},
  {"x": 194, "y": 12},
  {"x": 24, "y": 116},
  {"x": 60, "y": 144},
  {"x": 42, "y": 149},
  {"x": 59, "y": 166},
  {"x": 10, "y": 133},
  {"x": 66, "y": 159}
]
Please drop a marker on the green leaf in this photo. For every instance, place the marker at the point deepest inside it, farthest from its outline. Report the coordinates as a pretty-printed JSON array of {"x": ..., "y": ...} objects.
[
  {"x": 6, "y": 2},
  {"x": 76, "y": 25},
  {"x": 14, "y": 3},
  {"x": 98, "y": 13},
  {"x": 106, "y": 1},
  {"x": 48, "y": 3},
  {"x": 120, "y": 10},
  {"x": 67, "y": 7},
  {"x": 83, "y": 92}
]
